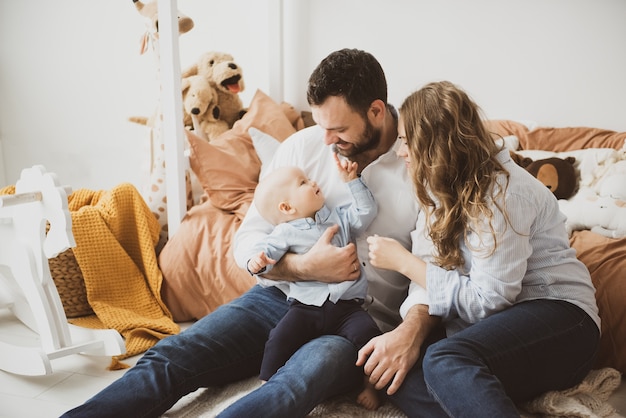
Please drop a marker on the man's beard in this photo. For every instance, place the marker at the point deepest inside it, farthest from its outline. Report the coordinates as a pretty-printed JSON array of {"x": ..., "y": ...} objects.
[{"x": 368, "y": 140}]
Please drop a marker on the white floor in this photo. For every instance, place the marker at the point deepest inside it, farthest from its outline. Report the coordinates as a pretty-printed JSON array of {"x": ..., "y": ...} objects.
[{"x": 76, "y": 378}]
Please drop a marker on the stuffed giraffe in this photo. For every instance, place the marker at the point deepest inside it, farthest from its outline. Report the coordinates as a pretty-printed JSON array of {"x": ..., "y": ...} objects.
[{"x": 154, "y": 191}]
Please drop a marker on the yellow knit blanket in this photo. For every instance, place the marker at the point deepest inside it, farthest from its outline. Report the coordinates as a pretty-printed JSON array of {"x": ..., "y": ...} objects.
[{"x": 115, "y": 235}]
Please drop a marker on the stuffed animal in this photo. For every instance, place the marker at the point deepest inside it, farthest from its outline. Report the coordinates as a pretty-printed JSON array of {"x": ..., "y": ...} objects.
[
  {"x": 613, "y": 185},
  {"x": 612, "y": 180},
  {"x": 558, "y": 174},
  {"x": 154, "y": 191},
  {"x": 149, "y": 40},
  {"x": 200, "y": 102},
  {"x": 150, "y": 12},
  {"x": 226, "y": 77},
  {"x": 603, "y": 215}
]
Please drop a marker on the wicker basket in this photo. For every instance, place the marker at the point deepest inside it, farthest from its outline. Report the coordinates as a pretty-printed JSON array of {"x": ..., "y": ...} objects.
[{"x": 70, "y": 284}]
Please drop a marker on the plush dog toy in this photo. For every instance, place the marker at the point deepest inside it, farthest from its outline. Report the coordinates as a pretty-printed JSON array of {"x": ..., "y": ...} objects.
[
  {"x": 226, "y": 77},
  {"x": 200, "y": 103},
  {"x": 558, "y": 174}
]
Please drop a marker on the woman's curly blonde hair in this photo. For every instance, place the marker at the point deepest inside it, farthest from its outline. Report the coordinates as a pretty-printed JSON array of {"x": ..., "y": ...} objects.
[{"x": 453, "y": 167}]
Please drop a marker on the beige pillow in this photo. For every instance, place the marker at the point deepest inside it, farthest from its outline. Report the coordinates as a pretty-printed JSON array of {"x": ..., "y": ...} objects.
[{"x": 228, "y": 166}]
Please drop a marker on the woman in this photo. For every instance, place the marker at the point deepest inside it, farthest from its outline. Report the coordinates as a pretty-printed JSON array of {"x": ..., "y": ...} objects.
[{"x": 493, "y": 255}]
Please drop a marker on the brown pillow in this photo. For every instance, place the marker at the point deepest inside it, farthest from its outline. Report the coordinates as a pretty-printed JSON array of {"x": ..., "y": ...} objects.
[
  {"x": 558, "y": 139},
  {"x": 228, "y": 167},
  {"x": 507, "y": 127},
  {"x": 606, "y": 260},
  {"x": 568, "y": 139}
]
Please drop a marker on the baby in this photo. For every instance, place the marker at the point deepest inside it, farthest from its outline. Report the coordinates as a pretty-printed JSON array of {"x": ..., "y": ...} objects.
[{"x": 295, "y": 205}]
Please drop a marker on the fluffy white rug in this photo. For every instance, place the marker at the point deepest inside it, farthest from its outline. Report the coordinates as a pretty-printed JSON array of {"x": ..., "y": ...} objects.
[{"x": 587, "y": 400}]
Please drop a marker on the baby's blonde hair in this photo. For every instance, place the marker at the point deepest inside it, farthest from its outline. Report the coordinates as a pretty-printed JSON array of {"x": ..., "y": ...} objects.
[{"x": 271, "y": 191}]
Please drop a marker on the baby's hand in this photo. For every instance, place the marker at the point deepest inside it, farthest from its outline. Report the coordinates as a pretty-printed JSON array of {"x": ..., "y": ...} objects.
[
  {"x": 347, "y": 169},
  {"x": 258, "y": 263}
]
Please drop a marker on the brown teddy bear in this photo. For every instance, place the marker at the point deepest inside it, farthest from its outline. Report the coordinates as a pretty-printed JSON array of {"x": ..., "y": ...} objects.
[
  {"x": 558, "y": 174},
  {"x": 200, "y": 103},
  {"x": 226, "y": 77}
]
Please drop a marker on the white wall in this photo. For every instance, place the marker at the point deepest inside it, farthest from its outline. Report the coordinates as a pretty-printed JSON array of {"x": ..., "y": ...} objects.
[
  {"x": 558, "y": 62},
  {"x": 71, "y": 74}
]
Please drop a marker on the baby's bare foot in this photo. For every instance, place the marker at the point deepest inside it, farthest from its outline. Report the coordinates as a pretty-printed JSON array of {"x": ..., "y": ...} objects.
[{"x": 368, "y": 398}]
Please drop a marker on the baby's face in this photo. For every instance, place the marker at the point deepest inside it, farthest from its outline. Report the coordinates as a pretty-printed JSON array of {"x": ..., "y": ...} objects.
[{"x": 304, "y": 194}]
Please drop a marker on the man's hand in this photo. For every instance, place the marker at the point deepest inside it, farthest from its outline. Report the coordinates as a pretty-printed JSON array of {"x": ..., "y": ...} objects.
[
  {"x": 388, "y": 358},
  {"x": 324, "y": 262}
]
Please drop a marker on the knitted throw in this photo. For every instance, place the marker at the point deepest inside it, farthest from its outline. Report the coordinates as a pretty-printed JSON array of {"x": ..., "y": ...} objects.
[{"x": 115, "y": 235}]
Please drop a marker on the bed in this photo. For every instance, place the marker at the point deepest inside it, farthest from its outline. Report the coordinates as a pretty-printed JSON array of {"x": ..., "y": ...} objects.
[
  {"x": 198, "y": 270},
  {"x": 200, "y": 274}
]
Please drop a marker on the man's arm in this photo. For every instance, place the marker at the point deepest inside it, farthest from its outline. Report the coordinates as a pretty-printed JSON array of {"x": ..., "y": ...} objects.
[{"x": 324, "y": 262}]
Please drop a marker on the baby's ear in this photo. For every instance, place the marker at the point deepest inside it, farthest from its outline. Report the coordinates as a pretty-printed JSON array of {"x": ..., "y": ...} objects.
[{"x": 286, "y": 208}]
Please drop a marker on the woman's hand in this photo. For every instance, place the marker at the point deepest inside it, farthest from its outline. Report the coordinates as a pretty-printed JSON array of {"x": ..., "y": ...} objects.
[
  {"x": 389, "y": 357},
  {"x": 387, "y": 253}
]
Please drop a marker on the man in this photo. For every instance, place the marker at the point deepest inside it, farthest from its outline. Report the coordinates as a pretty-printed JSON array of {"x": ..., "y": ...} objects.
[{"x": 348, "y": 97}]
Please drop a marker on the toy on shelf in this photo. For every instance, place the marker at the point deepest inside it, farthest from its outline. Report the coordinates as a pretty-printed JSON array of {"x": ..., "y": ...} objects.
[
  {"x": 200, "y": 102},
  {"x": 26, "y": 286},
  {"x": 226, "y": 77},
  {"x": 154, "y": 190}
]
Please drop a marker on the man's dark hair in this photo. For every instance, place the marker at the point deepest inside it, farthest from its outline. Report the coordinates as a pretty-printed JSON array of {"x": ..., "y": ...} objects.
[{"x": 352, "y": 74}]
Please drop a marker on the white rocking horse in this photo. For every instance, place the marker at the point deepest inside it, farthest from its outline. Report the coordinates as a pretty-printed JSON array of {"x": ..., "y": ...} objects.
[{"x": 26, "y": 286}]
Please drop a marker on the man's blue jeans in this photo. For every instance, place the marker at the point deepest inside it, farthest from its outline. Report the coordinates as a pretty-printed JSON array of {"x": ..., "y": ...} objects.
[
  {"x": 531, "y": 347},
  {"x": 225, "y": 346}
]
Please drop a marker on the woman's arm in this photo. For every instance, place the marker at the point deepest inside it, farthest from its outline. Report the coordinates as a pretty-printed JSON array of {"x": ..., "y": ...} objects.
[
  {"x": 387, "y": 253},
  {"x": 388, "y": 358}
]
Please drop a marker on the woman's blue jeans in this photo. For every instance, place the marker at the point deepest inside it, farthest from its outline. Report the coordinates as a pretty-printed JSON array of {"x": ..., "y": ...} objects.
[{"x": 509, "y": 357}]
